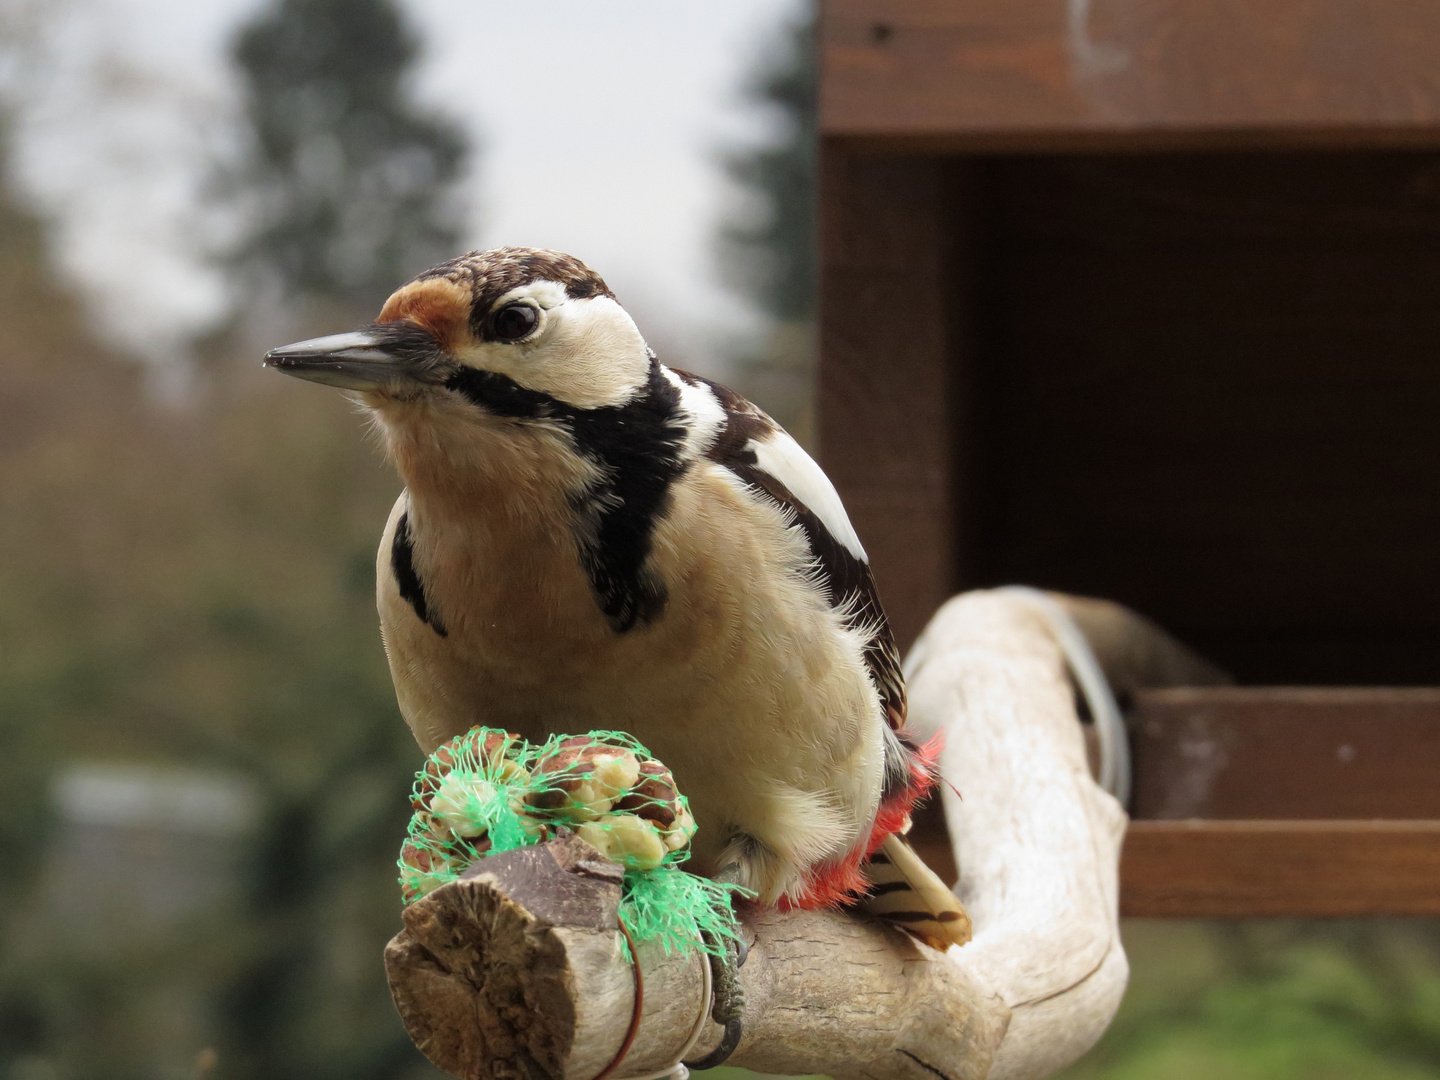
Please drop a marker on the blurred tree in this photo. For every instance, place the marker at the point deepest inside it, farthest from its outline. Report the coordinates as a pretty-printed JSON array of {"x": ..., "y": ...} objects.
[
  {"x": 768, "y": 246},
  {"x": 193, "y": 587},
  {"x": 767, "y": 242},
  {"x": 351, "y": 187},
  {"x": 42, "y": 327}
]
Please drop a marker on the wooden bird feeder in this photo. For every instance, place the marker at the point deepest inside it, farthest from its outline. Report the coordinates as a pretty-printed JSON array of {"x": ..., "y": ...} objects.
[{"x": 1141, "y": 299}]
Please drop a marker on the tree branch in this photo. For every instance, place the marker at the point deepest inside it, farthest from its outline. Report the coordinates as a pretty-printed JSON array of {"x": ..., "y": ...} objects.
[{"x": 517, "y": 970}]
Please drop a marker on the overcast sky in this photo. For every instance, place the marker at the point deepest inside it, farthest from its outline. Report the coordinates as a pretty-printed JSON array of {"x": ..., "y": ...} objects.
[{"x": 597, "y": 121}]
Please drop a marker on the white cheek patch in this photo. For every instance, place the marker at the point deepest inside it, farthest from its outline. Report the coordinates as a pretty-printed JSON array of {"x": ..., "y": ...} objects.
[
  {"x": 706, "y": 414},
  {"x": 784, "y": 459},
  {"x": 592, "y": 355}
]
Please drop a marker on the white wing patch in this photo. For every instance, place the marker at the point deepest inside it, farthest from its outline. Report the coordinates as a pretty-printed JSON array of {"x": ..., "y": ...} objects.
[
  {"x": 707, "y": 415},
  {"x": 784, "y": 459}
]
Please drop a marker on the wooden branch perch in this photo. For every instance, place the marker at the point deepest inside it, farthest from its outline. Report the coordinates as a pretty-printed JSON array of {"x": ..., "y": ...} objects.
[{"x": 517, "y": 970}]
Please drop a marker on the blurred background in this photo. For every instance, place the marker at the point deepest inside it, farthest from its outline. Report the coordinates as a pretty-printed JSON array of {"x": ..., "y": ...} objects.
[{"x": 203, "y": 773}]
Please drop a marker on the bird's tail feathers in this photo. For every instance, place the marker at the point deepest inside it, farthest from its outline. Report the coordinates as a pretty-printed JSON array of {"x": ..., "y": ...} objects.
[{"x": 906, "y": 892}]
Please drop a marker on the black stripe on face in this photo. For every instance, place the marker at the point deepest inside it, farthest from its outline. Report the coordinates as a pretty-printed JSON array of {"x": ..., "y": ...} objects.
[
  {"x": 501, "y": 395},
  {"x": 636, "y": 447},
  {"x": 402, "y": 564}
]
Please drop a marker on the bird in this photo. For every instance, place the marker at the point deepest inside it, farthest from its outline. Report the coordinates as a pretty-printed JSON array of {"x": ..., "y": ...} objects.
[{"x": 589, "y": 539}]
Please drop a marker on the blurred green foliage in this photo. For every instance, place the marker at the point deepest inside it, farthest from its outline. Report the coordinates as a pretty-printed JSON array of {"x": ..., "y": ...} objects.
[
  {"x": 195, "y": 585},
  {"x": 766, "y": 244},
  {"x": 1275, "y": 1000}
]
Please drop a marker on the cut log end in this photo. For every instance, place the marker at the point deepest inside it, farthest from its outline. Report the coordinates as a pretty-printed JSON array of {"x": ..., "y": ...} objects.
[{"x": 481, "y": 977}]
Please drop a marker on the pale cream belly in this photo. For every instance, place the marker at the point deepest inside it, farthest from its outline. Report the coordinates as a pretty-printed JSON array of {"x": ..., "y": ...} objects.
[{"x": 748, "y": 687}]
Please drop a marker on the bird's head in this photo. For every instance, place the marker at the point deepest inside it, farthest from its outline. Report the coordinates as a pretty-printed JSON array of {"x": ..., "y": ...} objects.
[{"x": 512, "y": 331}]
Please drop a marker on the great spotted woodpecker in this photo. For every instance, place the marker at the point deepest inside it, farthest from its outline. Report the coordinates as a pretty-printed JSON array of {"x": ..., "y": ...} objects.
[{"x": 589, "y": 539}]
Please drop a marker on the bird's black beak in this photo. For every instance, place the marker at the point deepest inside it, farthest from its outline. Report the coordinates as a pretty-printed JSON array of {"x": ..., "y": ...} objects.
[{"x": 378, "y": 358}]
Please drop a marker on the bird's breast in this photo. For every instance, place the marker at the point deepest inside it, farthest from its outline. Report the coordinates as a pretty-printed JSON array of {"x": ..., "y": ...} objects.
[
  {"x": 527, "y": 644},
  {"x": 747, "y": 685}
]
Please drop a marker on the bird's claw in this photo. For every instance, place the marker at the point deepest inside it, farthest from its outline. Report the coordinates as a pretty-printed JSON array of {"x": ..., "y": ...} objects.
[
  {"x": 721, "y": 1053},
  {"x": 728, "y": 998}
]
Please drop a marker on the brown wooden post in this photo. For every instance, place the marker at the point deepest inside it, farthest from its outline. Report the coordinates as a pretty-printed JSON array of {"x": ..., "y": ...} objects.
[{"x": 888, "y": 377}]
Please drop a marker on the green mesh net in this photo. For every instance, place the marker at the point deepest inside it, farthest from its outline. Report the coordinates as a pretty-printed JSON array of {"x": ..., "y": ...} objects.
[{"x": 489, "y": 791}]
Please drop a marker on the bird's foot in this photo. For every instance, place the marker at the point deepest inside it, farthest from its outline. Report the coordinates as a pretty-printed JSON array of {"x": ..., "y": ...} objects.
[{"x": 727, "y": 995}]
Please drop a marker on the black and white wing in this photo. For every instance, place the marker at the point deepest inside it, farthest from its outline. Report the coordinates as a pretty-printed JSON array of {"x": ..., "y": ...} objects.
[{"x": 764, "y": 456}]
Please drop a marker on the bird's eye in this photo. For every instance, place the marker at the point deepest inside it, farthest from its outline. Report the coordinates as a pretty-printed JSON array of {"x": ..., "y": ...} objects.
[{"x": 513, "y": 322}]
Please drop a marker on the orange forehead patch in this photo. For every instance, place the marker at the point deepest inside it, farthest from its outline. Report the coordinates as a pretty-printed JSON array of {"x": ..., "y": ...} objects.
[{"x": 438, "y": 304}]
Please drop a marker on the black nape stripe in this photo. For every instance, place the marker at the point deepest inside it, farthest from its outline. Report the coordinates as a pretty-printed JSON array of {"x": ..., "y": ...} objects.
[
  {"x": 402, "y": 563},
  {"x": 637, "y": 448}
]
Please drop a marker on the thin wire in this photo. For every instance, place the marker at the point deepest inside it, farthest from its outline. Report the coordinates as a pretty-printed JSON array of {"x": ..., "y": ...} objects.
[
  {"x": 678, "y": 1069},
  {"x": 1104, "y": 710},
  {"x": 635, "y": 1009}
]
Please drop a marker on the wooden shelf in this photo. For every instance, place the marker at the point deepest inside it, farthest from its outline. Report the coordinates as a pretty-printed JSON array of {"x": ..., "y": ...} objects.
[
  {"x": 1237, "y": 869},
  {"x": 1286, "y": 752},
  {"x": 1275, "y": 801},
  {"x": 1304, "y": 801},
  {"x": 1253, "y": 869}
]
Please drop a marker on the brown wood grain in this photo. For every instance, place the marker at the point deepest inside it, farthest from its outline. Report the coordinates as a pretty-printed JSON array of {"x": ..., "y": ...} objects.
[
  {"x": 988, "y": 74},
  {"x": 1238, "y": 869},
  {"x": 888, "y": 373},
  {"x": 1286, "y": 752}
]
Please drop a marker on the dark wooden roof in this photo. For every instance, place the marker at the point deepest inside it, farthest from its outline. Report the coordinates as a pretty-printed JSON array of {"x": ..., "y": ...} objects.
[{"x": 1042, "y": 74}]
